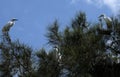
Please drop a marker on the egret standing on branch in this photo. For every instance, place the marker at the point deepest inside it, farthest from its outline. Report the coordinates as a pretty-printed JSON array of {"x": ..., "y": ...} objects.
[
  {"x": 108, "y": 21},
  {"x": 58, "y": 55},
  {"x": 7, "y": 27},
  {"x": 5, "y": 30}
]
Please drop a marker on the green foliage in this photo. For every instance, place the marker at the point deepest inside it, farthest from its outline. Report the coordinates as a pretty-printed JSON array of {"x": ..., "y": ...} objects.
[
  {"x": 49, "y": 65},
  {"x": 14, "y": 57},
  {"x": 79, "y": 49},
  {"x": 53, "y": 34}
]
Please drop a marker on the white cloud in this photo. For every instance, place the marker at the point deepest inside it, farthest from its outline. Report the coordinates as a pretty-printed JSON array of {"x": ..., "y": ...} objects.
[
  {"x": 74, "y": 1},
  {"x": 114, "y": 5}
]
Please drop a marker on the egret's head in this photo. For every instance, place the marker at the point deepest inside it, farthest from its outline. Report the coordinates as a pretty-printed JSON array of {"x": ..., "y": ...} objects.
[
  {"x": 14, "y": 19},
  {"x": 102, "y": 15}
]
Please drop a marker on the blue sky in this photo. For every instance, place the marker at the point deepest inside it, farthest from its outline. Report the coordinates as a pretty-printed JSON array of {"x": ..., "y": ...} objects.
[{"x": 36, "y": 15}]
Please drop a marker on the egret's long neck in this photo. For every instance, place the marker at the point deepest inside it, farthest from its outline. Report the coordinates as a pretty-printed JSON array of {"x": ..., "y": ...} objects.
[{"x": 11, "y": 22}]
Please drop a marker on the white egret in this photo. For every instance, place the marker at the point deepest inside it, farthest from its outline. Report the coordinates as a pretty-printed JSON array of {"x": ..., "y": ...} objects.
[
  {"x": 108, "y": 20},
  {"x": 58, "y": 53},
  {"x": 7, "y": 27}
]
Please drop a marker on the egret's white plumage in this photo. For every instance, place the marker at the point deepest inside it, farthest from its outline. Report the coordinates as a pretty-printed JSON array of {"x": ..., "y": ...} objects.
[
  {"x": 108, "y": 20},
  {"x": 58, "y": 53},
  {"x": 7, "y": 27}
]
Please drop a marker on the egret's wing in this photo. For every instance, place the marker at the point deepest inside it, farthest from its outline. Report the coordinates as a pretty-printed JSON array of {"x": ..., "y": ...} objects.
[
  {"x": 108, "y": 22},
  {"x": 7, "y": 27}
]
